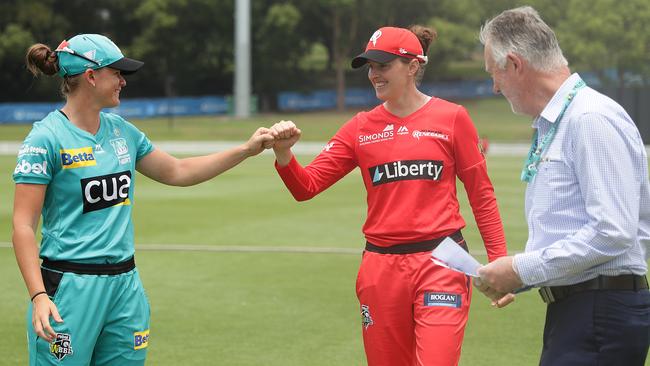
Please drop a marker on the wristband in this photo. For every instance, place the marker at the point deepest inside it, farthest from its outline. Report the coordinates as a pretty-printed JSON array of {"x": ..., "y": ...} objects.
[{"x": 38, "y": 293}]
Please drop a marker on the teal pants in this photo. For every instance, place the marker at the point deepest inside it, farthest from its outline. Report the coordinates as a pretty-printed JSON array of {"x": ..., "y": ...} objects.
[{"x": 105, "y": 322}]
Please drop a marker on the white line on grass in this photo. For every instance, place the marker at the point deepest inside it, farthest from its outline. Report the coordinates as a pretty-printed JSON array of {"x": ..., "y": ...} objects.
[{"x": 248, "y": 249}]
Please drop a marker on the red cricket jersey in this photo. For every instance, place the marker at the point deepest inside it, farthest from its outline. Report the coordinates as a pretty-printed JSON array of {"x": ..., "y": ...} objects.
[{"x": 409, "y": 167}]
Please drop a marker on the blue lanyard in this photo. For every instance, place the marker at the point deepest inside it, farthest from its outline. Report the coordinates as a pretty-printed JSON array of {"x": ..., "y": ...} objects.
[{"x": 535, "y": 152}]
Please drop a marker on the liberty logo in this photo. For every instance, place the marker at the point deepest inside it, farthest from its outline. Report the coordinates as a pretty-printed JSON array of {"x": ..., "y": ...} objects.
[
  {"x": 375, "y": 37},
  {"x": 366, "y": 319},
  {"x": 406, "y": 170}
]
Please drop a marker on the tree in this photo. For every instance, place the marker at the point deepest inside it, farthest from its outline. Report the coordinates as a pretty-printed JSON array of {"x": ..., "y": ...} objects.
[
  {"x": 278, "y": 47},
  {"x": 607, "y": 34}
]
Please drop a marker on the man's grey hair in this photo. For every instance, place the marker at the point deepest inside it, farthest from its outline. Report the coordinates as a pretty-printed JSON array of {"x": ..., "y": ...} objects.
[{"x": 523, "y": 32}]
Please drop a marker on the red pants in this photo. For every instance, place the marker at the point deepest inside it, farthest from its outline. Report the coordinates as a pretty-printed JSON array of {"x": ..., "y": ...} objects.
[{"x": 413, "y": 311}]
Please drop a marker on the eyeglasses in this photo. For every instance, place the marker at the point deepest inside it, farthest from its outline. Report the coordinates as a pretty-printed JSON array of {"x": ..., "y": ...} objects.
[
  {"x": 424, "y": 59},
  {"x": 63, "y": 47}
]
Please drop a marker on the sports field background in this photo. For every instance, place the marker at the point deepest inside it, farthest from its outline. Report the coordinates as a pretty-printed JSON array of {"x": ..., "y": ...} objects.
[{"x": 228, "y": 268}]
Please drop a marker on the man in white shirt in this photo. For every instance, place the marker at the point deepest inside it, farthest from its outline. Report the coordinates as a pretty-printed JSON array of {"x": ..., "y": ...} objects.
[{"x": 587, "y": 202}]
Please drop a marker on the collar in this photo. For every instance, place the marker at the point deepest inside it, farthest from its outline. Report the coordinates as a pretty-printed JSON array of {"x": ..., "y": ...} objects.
[{"x": 554, "y": 107}]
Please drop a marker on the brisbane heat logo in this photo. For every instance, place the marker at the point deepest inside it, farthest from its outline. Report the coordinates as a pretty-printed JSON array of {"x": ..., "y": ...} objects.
[
  {"x": 406, "y": 170},
  {"x": 106, "y": 191}
]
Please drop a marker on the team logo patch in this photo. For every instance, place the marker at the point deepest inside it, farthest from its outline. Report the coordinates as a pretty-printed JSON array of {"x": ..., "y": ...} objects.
[
  {"x": 141, "y": 339},
  {"x": 375, "y": 37},
  {"x": 77, "y": 158},
  {"x": 442, "y": 299},
  {"x": 328, "y": 146},
  {"x": 106, "y": 191},
  {"x": 406, "y": 170},
  {"x": 121, "y": 149},
  {"x": 61, "y": 346},
  {"x": 366, "y": 319}
]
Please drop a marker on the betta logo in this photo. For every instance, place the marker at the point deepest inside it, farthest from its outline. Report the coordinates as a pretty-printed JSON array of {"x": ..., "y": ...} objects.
[
  {"x": 77, "y": 158},
  {"x": 106, "y": 191},
  {"x": 141, "y": 339},
  {"x": 406, "y": 170}
]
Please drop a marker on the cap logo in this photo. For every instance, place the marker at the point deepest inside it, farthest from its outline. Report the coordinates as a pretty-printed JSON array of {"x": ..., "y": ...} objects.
[
  {"x": 375, "y": 37},
  {"x": 90, "y": 54}
]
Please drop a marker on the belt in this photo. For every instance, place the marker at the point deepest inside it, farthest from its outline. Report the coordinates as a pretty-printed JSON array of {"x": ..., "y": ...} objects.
[
  {"x": 90, "y": 268},
  {"x": 628, "y": 282},
  {"x": 422, "y": 246}
]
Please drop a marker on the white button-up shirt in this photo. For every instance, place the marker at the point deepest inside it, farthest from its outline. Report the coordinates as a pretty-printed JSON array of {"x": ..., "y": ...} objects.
[{"x": 588, "y": 207}]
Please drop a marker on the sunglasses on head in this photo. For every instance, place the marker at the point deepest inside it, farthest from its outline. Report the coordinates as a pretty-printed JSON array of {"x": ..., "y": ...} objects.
[
  {"x": 423, "y": 58},
  {"x": 63, "y": 47}
]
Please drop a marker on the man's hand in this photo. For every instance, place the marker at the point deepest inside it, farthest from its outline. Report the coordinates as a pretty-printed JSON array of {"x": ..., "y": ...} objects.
[{"x": 500, "y": 275}]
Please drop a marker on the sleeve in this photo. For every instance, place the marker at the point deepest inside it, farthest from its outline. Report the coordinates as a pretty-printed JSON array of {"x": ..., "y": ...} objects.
[
  {"x": 471, "y": 169},
  {"x": 335, "y": 161},
  {"x": 609, "y": 182},
  {"x": 36, "y": 158},
  {"x": 142, "y": 142}
]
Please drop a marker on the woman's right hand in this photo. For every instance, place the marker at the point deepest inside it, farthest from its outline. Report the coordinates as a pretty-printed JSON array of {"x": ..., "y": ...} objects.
[
  {"x": 41, "y": 311},
  {"x": 286, "y": 134}
]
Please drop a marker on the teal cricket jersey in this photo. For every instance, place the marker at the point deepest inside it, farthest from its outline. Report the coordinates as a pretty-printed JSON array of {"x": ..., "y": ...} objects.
[{"x": 90, "y": 185}]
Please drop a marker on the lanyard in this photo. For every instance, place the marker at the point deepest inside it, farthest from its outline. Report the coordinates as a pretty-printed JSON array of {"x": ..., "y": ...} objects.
[{"x": 535, "y": 152}]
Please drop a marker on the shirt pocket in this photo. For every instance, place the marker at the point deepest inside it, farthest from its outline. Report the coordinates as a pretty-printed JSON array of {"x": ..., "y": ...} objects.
[{"x": 556, "y": 179}]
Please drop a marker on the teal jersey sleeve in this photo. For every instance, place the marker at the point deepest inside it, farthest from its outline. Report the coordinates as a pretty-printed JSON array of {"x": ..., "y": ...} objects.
[{"x": 37, "y": 157}]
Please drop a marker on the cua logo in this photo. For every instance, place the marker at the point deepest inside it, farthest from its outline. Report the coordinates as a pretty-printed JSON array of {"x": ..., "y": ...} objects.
[{"x": 106, "y": 191}]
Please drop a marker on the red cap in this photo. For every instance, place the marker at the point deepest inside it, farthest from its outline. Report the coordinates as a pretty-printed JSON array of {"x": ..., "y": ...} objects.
[{"x": 387, "y": 43}]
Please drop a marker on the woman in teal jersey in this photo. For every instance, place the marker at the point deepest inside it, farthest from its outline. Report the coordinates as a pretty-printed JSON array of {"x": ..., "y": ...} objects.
[{"x": 76, "y": 168}]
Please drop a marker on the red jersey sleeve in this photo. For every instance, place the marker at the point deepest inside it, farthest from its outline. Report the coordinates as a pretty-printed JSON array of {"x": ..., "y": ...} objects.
[
  {"x": 471, "y": 169},
  {"x": 335, "y": 161}
]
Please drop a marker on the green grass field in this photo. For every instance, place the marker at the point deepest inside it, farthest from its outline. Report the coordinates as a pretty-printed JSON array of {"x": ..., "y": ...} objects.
[
  {"x": 271, "y": 308},
  {"x": 230, "y": 308}
]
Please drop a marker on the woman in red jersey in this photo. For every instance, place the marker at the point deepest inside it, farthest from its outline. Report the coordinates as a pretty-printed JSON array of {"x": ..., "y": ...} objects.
[{"x": 410, "y": 149}]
